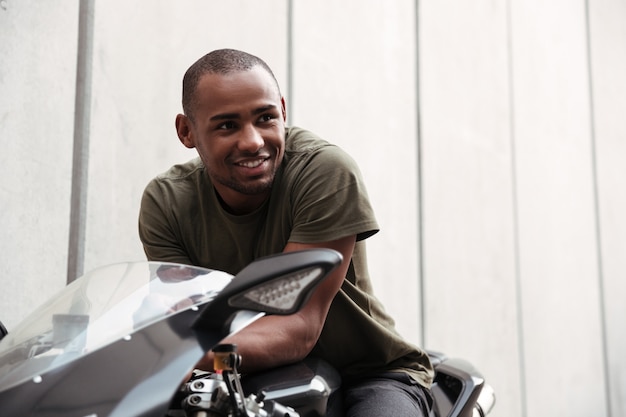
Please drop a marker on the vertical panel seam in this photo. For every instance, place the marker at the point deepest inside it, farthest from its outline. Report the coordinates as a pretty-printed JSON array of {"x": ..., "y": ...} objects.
[
  {"x": 515, "y": 214},
  {"x": 419, "y": 205},
  {"x": 597, "y": 219},
  {"x": 80, "y": 158},
  {"x": 290, "y": 83}
]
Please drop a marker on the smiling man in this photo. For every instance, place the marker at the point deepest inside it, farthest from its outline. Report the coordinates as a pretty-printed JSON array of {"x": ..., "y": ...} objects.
[{"x": 259, "y": 188}]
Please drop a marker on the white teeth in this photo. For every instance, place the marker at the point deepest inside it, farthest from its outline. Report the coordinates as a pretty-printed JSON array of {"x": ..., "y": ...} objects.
[{"x": 252, "y": 164}]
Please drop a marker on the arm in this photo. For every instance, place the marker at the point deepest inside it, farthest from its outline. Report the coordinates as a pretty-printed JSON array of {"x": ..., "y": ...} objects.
[{"x": 278, "y": 340}]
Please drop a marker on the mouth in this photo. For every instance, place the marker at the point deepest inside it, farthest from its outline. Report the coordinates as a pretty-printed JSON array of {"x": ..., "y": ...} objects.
[{"x": 252, "y": 163}]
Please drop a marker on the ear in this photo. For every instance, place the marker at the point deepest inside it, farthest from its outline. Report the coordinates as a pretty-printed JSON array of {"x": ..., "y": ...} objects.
[
  {"x": 284, "y": 109},
  {"x": 184, "y": 129}
]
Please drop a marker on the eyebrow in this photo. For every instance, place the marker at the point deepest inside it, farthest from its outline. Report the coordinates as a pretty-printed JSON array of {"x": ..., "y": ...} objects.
[{"x": 257, "y": 111}]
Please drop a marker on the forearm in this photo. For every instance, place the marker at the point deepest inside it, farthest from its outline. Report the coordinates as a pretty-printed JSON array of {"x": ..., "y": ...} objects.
[
  {"x": 278, "y": 340},
  {"x": 269, "y": 342}
]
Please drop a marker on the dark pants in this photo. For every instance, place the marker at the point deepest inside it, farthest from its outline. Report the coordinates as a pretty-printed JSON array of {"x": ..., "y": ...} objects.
[{"x": 389, "y": 394}]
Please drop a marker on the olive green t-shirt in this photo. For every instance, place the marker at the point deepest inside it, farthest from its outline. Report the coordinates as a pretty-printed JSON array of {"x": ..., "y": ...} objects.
[{"x": 318, "y": 195}]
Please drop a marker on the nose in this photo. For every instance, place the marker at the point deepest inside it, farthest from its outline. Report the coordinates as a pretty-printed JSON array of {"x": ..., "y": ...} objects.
[{"x": 250, "y": 140}]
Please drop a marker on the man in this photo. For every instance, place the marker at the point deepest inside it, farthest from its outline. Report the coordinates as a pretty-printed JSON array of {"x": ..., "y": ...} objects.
[{"x": 258, "y": 188}]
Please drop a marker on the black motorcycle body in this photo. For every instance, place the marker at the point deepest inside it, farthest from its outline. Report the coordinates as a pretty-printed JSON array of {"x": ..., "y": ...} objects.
[{"x": 118, "y": 342}]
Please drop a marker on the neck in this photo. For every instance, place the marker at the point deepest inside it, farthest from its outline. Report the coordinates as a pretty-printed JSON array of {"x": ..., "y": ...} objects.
[{"x": 239, "y": 204}]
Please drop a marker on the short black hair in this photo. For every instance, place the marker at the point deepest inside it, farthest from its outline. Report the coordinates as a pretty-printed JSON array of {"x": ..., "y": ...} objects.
[{"x": 220, "y": 61}]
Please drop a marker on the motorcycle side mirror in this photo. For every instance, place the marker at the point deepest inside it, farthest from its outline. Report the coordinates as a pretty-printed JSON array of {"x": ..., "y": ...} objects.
[{"x": 279, "y": 284}]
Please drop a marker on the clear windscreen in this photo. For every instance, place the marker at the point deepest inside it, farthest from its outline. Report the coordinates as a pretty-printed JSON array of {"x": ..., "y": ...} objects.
[{"x": 100, "y": 308}]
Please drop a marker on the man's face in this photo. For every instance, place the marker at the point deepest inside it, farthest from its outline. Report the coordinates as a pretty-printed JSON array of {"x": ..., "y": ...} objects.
[{"x": 239, "y": 133}]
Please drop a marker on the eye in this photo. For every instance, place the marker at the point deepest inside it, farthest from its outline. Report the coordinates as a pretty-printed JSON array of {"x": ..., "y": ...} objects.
[
  {"x": 267, "y": 117},
  {"x": 226, "y": 126}
]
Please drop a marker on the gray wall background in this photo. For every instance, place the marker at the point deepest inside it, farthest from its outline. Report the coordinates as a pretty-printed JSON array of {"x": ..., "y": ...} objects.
[{"x": 491, "y": 135}]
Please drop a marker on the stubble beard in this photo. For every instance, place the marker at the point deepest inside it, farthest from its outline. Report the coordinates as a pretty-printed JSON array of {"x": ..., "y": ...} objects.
[{"x": 254, "y": 187}]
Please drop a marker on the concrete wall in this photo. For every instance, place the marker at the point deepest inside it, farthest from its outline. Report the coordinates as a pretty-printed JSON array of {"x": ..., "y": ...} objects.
[{"x": 490, "y": 134}]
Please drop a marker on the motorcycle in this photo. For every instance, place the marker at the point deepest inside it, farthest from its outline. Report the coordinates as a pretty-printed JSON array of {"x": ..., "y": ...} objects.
[{"x": 118, "y": 342}]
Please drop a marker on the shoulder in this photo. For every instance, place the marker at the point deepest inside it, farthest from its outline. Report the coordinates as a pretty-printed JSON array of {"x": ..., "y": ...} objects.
[
  {"x": 181, "y": 172},
  {"x": 177, "y": 186},
  {"x": 305, "y": 149},
  {"x": 190, "y": 172},
  {"x": 301, "y": 140}
]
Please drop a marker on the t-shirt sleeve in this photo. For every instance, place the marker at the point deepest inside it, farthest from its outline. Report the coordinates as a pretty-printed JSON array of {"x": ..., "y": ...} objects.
[
  {"x": 160, "y": 241},
  {"x": 330, "y": 199}
]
